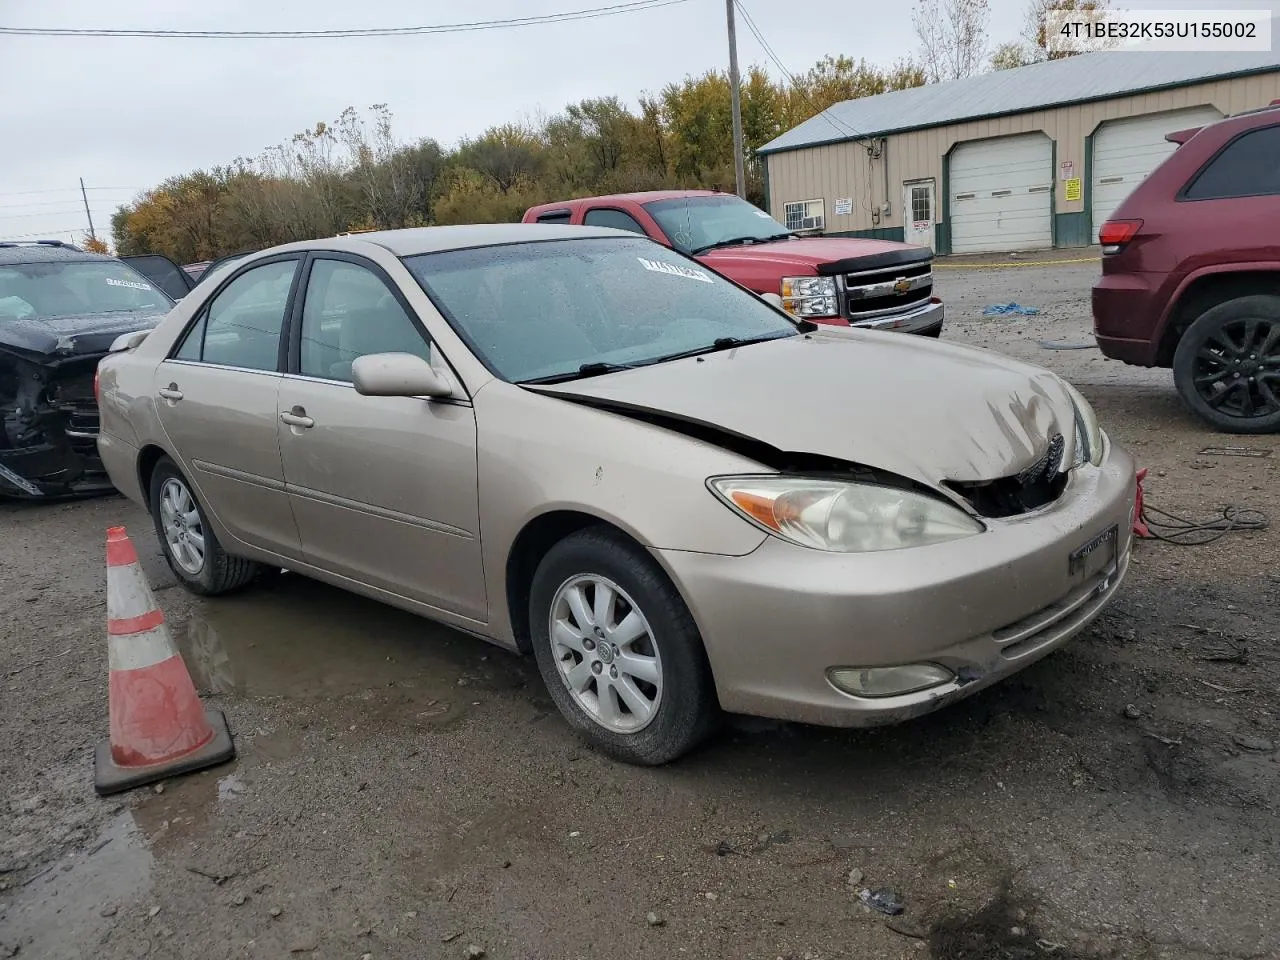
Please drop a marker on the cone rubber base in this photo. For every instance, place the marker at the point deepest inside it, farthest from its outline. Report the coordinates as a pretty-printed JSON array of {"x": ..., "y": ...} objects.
[{"x": 109, "y": 777}]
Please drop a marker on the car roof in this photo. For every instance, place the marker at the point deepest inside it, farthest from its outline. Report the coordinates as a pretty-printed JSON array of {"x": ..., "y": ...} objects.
[
  {"x": 644, "y": 196},
  {"x": 44, "y": 253},
  {"x": 416, "y": 240},
  {"x": 1228, "y": 126}
]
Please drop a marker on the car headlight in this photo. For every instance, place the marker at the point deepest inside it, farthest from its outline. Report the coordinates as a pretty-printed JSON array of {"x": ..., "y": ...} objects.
[
  {"x": 1090, "y": 441},
  {"x": 810, "y": 296},
  {"x": 843, "y": 517}
]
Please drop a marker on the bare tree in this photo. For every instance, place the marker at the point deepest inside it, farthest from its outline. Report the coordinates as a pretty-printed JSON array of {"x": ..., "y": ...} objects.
[
  {"x": 953, "y": 37},
  {"x": 1034, "y": 46}
]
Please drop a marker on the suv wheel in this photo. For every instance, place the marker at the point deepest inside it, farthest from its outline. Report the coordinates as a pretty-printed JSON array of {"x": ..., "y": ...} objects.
[
  {"x": 618, "y": 650},
  {"x": 190, "y": 546},
  {"x": 1227, "y": 365}
]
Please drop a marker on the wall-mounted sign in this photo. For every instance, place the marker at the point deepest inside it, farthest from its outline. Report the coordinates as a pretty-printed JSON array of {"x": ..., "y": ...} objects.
[
  {"x": 844, "y": 206},
  {"x": 1068, "y": 170},
  {"x": 1073, "y": 189}
]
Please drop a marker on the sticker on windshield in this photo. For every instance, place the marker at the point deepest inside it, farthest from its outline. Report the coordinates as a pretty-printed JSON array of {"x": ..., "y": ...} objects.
[
  {"x": 763, "y": 215},
  {"x": 132, "y": 284},
  {"x": 657, "y": 266}
]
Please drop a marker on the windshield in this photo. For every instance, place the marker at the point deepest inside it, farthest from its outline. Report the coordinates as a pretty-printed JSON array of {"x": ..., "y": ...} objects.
[
  {"x": 537, "y": 310},
  {"x": 694, "y": 224},
  {"x": 47, "y": 291}
]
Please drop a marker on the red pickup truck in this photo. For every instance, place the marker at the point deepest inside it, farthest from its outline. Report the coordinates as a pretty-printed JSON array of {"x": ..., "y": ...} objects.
[{"x": 840, "y": 281}]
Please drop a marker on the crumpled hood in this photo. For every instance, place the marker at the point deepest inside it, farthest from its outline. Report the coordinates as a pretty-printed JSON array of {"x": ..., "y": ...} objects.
[
  {"x": 924, "y": 410},
  {"x": 72, "y": 336}
]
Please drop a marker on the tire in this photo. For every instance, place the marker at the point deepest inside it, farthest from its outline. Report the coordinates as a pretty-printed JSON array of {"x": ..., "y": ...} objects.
[
  {"x": 218, "y": 571},
  {"x": 1236, "y": 343},
  {"x": 670, "y": 649}
]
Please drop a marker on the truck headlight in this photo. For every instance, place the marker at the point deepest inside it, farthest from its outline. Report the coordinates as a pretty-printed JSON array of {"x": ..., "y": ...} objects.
[
  {"x": 810, "y": 296},
  {"x": 843, "y": 517}
]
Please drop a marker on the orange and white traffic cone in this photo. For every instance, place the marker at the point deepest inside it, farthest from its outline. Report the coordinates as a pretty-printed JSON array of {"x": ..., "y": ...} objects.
[{"x": 159, "y": 727}]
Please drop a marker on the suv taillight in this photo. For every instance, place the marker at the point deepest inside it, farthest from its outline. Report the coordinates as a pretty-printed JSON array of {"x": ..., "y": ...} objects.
[{"x": 1116, "y": 233}]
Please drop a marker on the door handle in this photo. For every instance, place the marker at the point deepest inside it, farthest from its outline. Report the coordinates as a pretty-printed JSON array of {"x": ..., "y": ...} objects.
[
  {"x": 171, "y": 392},
  {"x": 297, "y": 417}
]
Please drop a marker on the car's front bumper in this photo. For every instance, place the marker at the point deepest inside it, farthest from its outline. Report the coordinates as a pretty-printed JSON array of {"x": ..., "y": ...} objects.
[
  {"x": 49, "y": 472},
  {"x": 775, "y": 621},
  {"x": 927, "y": 320}
]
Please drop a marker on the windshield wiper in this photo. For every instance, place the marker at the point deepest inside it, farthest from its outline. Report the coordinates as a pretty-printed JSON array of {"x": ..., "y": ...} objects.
[
  {"x": 730, "y": 242},
  {"x": 586, "y": 370},
  {"x": 739, "y": 241},
  {"x": 721, "y": 343}
]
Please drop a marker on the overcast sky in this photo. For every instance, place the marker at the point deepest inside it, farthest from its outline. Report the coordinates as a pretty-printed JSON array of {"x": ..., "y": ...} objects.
[{"x": 126, "y": 113}]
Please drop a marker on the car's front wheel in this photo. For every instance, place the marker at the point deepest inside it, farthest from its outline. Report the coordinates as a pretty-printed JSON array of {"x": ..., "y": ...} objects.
[
  {"x": 619, "y": 651},
  {"x": 190, "y": 546},
  {"x": 1227, "y": 365}
]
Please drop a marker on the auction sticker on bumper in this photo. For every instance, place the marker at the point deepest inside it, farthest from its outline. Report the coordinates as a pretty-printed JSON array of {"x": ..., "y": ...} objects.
[{"x": 1097, "y": 555}]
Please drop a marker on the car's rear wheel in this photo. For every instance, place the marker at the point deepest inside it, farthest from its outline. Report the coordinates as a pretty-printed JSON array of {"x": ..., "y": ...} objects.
[
  {"x": 189, "y": 544},
  {"x": 619, "y": 651},
  {"x": 1227, "y": 365}
]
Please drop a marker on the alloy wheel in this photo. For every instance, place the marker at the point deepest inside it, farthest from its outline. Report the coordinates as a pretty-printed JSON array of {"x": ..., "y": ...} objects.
[
  {"x": 1236, "y": 370},
  {"x": 606, "y": 653},
  {"x": 183, "y": 529}
]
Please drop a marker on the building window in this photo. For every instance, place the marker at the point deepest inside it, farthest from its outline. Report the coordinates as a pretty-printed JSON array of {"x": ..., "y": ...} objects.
[
  {"x": 922, "y": 203},
  {"x": 805, "y": 215}
]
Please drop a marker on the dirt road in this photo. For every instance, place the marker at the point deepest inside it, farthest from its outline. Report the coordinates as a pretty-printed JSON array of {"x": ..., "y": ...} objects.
[{"x": 402, "y": 791}]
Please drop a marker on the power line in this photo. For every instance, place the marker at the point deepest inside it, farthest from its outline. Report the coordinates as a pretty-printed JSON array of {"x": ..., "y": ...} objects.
[
  {"x": 839, "y": 125},
  {"x": 32, "y": 216},
  {"x": 77, "y": 228},
  {"x": 590, "y": 13},
  {"x": 32, "y": 193},
  {"x": 27, "y": 205}
]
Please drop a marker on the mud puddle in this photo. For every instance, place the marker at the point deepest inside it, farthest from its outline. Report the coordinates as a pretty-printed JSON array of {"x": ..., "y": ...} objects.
[
  {"x": 64, "y": 911},
  {"x": 301, "y": 639}
]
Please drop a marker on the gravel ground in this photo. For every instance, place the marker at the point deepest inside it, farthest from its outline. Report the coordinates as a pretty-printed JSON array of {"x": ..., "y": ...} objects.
[{"x": 404, "y": 791}]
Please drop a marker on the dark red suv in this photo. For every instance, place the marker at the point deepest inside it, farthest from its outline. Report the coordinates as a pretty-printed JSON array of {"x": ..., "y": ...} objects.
[{"x": 1191, "y": 272}]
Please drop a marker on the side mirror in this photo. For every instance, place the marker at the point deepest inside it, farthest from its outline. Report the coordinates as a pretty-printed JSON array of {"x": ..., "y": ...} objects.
[
  {"x": 397, "y": 375},
  {"x": 127, "y": 341}
]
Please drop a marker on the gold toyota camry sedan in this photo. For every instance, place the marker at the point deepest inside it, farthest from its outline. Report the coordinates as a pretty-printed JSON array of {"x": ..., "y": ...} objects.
[{"x": 580, "y": 444}]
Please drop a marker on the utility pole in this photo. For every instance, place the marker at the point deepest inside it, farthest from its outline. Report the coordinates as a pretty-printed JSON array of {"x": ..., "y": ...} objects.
[
  {"x": 85, "y": 195},
  {"x": 735, "y": 100}
]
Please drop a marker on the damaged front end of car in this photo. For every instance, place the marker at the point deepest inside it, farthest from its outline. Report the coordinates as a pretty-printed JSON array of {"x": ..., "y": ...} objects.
[
  {"x": 49, "y": 416},
  {"x": 49, "y": 426}
]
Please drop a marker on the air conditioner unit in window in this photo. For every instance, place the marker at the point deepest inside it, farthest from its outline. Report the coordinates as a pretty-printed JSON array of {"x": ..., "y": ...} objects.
[{"x": 813, "y": 223}]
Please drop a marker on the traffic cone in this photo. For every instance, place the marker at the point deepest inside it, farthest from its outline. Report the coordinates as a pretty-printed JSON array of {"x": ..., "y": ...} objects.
[{"x": 159, "y": 727}]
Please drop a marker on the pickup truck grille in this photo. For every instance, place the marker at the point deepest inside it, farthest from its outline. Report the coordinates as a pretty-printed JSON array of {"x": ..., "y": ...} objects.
[{"x": 887, "y": 291}]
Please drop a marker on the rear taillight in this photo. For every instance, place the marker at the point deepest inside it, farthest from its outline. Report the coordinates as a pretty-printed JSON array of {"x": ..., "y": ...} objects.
[{"x": 1116, "y": 233}]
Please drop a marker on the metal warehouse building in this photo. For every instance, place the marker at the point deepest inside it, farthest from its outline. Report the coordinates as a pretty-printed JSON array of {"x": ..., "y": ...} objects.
[{"x": 1021, "y": 159}]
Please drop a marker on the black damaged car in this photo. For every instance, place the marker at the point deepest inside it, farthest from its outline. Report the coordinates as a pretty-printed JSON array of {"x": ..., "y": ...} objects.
[{"x": 61, "y": 308}]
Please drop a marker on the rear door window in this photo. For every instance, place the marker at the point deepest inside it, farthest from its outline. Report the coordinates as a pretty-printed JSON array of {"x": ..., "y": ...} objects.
[
  {"x": 241, "y": 326},
  {"x": 1248, "y": 167}
]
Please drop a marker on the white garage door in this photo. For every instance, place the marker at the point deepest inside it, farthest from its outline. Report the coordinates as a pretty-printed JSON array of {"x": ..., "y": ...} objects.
[
  {"x": 1126, "y": 151},
  {"x": 1001, "y": 194}
]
